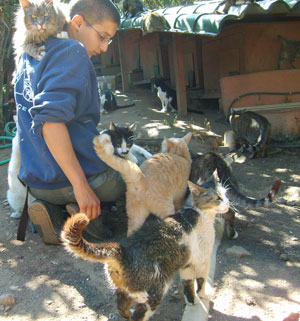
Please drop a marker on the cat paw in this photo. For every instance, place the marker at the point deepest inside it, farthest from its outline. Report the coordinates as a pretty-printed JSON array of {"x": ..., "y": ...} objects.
[
  {"x": 41, "y": 53},
  {"x": 15, "y": 215},
  {"x": 103, "y": 142}
]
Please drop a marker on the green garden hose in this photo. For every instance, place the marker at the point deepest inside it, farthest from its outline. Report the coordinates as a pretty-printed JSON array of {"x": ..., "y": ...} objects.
[{"x": 10, "y": 131}]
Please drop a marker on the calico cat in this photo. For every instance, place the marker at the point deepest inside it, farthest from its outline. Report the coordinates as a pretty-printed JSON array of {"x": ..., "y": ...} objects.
[
  {"x": 153, "y": 21},
  {"x": 158, "y": 186},
  {"x": 167, "y": 96},
  {"x": 204, "y": 166},
  {"x": 16, "y": 193},
  {"x": 252, "y": 132},
  {"x": 142, "y": 266},
  {"x": 109, "y": 102},
  {"x": 36, "y": 21},
  {"x": 122, "y": 140},
  {"x": 289, "y": 51},
  {"x": 132, "y": 7}
]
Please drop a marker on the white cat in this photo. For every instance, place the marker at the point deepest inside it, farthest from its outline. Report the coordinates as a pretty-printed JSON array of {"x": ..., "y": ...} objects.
[{"x": 16, "y": 193}]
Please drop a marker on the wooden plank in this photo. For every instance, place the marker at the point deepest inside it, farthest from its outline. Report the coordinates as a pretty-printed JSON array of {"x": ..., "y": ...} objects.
[
  {"x": 142, "y": 82},
  {"x": 283, "y": 107},
  {"x": 123, "y": 64},
  {"x": 179, "y": 74}
]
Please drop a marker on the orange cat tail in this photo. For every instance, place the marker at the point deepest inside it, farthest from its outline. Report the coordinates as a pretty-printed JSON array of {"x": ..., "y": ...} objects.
[{"x": 71, "y": 237}]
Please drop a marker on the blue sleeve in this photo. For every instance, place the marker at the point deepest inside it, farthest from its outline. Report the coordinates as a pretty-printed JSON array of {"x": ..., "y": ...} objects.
[{"x": 63, "y": 79}]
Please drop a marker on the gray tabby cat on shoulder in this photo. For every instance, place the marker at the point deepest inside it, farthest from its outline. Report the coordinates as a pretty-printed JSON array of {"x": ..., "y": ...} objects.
[
  {"x": 141, "y": 267},
  {"x": 36, "y": 21}
]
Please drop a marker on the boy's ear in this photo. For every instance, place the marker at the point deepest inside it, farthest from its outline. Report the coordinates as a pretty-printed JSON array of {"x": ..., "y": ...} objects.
[{"x": 77, "y": 21}]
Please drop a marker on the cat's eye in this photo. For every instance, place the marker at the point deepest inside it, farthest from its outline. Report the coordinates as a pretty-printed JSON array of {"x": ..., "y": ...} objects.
[
  {"x": 33, "y": 16},
  {"x": 46, "y": 14}
]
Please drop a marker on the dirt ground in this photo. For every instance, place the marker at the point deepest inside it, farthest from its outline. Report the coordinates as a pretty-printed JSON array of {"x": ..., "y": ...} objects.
[{"x": 49, "y": 284}]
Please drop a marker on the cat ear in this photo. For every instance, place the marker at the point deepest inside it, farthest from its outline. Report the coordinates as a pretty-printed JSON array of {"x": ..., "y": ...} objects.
[
  {"x": 132, "y": 127},
  {"x": 112, "y": 126},
  {"x": 216, "y": 176},
  {"x": 195, "y": 189},
  {"x": 188, "y": 137},
  {"x": 25, "y": 4}
]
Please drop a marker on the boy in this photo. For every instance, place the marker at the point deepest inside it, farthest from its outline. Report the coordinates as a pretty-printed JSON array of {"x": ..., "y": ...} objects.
[{"x": 58, "y": 111}]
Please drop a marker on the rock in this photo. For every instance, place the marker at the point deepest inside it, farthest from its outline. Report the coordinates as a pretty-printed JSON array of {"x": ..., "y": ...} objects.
[
  {"x": 7, "y": 299},
  {"x": 250, "y": 301},
  {"x": 237, "y": 251},
  {"x": 292, "y": 317},
  {"x": 283, "y": 257}
]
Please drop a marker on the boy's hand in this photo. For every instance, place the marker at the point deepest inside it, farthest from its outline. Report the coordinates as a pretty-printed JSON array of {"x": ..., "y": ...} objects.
[{"x": 87, "y": 201}]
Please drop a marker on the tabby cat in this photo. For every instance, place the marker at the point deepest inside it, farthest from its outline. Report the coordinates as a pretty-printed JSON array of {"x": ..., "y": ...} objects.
[
  {"x": 153, "y": 21},
  {"x": 158, "y": 186},
  {"x": 142, "y": 266},
  {"x": 36, "y": 21},
  {"x": 289, "y": 51},
  {"x": 204, "y": 166},
  {"x": 252, "y": 132},
  {"x": 122, "y": 140}
]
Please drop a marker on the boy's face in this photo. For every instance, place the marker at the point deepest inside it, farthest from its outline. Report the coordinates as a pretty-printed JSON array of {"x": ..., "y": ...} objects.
[{"x": 95, "y": 37}]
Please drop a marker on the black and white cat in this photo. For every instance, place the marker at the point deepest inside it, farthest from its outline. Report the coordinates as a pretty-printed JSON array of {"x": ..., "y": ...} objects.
[
  {"x": 122, "y": 140},
  {"x": 167, "y": 96},
  {"x": 141, "y": 267},
  {"x": 109, "y": 102}
]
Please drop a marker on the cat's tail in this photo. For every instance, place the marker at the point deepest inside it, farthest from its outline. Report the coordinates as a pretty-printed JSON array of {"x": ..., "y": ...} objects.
[
  {"x": 262, "y": 140},
  {"x": 71, "y": 237},
  {"x": 125, "y": 106},
  {"x": 237, "y": 198}
]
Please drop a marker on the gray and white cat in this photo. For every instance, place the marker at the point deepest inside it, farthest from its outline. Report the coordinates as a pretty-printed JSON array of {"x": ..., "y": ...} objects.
[
  {"x": 141, "y": 267},
  {"x": 37, "y": 21},
  {"x": 205, "y": 166}
]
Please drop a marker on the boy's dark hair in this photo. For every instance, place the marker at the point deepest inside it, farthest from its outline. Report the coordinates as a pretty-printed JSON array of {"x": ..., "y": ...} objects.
[{"x": 95, "y": 10}]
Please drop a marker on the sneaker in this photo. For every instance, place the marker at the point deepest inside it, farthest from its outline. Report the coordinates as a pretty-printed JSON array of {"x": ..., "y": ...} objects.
[
  {"x": 72, "y": 208},
  {"x": 48, "y": 219}
]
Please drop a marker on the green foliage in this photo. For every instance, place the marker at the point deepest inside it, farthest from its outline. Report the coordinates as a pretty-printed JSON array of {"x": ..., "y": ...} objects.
[
  {"x": 7, "y": 12},
  {"x": 159, "y": 4}
]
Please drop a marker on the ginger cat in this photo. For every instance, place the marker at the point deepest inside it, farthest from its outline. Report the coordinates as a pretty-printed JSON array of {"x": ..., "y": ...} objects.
[{"x": 158, "y": 186}]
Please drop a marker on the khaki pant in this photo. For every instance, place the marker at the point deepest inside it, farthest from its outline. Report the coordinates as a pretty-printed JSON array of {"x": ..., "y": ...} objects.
[{"x": 108, "y": 186}]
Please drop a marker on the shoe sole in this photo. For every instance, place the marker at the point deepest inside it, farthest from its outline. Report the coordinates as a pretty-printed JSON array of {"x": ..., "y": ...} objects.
[
  {"x": 39, "y": 217},
  {"x": 72, "y": 209}
]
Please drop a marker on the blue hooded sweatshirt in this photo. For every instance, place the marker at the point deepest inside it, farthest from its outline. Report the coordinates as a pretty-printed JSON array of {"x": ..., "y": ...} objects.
[{"x": 61, "y": 88}]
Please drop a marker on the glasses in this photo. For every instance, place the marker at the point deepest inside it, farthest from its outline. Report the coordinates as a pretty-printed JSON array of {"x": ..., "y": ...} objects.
[{"x": 102, "y": 39}]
